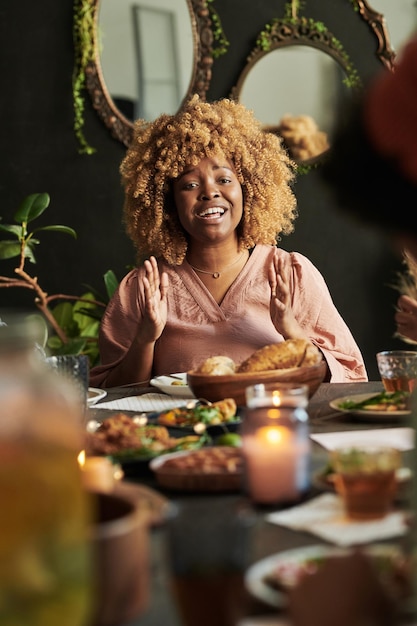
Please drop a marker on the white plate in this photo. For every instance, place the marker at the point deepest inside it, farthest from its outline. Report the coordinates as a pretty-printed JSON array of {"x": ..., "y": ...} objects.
[
  {"x": 254, "y": 578},
  {"x": 94, "y": 395},
  {"x": 164, "y": 384},
  {"x": 366, "y": 413}
]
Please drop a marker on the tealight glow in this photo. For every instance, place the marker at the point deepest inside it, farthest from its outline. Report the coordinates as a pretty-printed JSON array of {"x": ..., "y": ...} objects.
[{"x": 97, "y": 472}]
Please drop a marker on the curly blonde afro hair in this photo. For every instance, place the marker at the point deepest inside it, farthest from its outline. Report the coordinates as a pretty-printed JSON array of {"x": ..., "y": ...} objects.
[{"x": 162, "y": 149}]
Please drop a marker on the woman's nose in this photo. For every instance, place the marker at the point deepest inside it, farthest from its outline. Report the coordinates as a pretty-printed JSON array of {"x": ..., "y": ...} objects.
[{"x": 209, "y": 191}]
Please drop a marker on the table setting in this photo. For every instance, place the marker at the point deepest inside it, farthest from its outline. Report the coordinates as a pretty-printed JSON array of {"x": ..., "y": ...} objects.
[
  {"x": 234, "y": 476},
  {"x": 278, "y": 528}
]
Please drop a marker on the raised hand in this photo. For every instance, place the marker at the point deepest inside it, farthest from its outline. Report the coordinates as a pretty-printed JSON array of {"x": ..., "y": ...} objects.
[
  {"x": 406, "y": 317},
  {"x": 282, "y": 315},
  {"x": 155, "y": 288}
]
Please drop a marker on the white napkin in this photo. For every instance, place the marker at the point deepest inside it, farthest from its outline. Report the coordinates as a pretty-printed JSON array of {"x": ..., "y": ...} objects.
[
  {"x": 144, "y": 403},
  {"x": 324, "y": 516},
  {"x": 401, "y": 438}
]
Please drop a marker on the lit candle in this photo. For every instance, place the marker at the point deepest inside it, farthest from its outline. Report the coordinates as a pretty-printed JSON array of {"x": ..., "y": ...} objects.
[
  {"x": 276, "y": 444},
  {"x": 97, "y": 472}
]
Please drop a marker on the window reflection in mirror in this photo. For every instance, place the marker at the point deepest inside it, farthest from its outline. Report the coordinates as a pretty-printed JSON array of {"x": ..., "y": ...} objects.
[
  {"x": 302, "y": 83},
  {"x": 137, "y": 66}
]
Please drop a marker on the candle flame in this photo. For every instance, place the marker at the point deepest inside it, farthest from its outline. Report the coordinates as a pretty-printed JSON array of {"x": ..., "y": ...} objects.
[
  {"x": 81, "y": 458},
  {"x": 273, "y": 435},
  {"x": 276, "y": 398}
]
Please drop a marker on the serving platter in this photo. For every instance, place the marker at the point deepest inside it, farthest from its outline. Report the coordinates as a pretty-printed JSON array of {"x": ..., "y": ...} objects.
[
  {"x": 135, "y": 460},
  {"x": 94, "y": 395},
  {"x": 368, "y": 414},
  {"x": 287, "y": 566},
  {"x": 175, "y": 385}
]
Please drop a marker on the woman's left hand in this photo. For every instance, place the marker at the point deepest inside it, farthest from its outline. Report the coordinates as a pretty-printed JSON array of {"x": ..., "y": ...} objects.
[{"x": 282, "y": 315}]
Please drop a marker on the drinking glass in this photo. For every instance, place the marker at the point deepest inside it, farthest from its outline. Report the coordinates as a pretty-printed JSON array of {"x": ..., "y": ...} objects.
[
  {"x": 45, "y": 555},
  {"x": 398, "y": 369},
  {"x": 74, "y": 368},
  {"x": 365, "y": 478},
  {"x": 209, "y": 548}
]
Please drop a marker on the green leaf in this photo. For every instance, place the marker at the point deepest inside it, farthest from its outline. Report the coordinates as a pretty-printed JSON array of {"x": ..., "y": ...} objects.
[
  {"x": 31, "y": 207},
  {"x": 11, "y": 228},
  {"x": 74, "y": 346},
  {"x": 28, "y": 251},
  {"x": 111, "y": 282},
  {"x": 63, "y": 313},
  {"x": 58, "y": 228},
  {"x": 9, "y": 249}
]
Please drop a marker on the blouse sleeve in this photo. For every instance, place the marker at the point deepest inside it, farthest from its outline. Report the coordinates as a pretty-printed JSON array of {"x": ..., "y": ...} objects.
[
  {"x": 314, "y": 309},
  {"x": 118, "y": 327}
]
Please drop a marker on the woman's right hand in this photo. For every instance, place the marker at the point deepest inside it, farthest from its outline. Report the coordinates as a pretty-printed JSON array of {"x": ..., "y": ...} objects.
[
  {"x": 155, "y": 288},
  {"x": 406, "y": 317}
]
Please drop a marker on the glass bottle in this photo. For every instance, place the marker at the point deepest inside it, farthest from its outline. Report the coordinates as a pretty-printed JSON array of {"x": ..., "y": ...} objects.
[
  {"x": 275, "y": 442},
  {"x": 45, "y": 512}
]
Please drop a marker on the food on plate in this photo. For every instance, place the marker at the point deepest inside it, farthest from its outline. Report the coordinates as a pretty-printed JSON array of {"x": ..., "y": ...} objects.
[
  {"x": 229, "y": 439},
  {"x": 210, "y": 460},
  {"x": 121, "y": 437},
  {"x": 219, "y": 412},
  {"x": 217, "y": 366},
  {"x": 179, "y": 383},
  {"x": 392, "y": 567},
  {"x": 384, "y": 401},
  {"x": 284, "y": 355}
]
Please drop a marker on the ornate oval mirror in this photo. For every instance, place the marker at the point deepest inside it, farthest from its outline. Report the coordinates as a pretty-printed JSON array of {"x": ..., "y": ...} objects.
[
  {"x": 184, "y": 51},
  {"x": 303, "y": 115},
  {"x": 303, "y": 111}
]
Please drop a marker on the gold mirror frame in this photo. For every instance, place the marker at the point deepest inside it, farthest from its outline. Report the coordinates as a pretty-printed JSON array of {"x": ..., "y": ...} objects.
[
  {"x": 120, "y": 127},
  {"x": 307, "y": 32}
]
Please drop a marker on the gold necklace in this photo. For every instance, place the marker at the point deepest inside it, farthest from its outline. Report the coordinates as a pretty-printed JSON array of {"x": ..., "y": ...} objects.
[{"x": 217, "y": 274}]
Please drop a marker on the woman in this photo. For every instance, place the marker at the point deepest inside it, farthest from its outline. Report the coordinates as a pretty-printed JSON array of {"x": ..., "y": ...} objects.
[{"x": 207, "y": 196}]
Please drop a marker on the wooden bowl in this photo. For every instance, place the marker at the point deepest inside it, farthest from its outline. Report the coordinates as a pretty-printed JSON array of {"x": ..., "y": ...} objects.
[{"x": 215, "y": 388}]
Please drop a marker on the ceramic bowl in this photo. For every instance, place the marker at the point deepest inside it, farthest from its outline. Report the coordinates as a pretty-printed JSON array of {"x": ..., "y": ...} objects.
[{"x": 215, "y": 388}]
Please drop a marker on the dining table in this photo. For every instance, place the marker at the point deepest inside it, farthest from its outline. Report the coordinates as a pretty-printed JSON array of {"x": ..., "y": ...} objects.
[{"x": 268, "y": 538}]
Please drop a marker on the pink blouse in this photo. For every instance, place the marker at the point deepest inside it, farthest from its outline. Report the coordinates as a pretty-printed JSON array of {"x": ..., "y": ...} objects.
[{"x": 197, "y": 327}]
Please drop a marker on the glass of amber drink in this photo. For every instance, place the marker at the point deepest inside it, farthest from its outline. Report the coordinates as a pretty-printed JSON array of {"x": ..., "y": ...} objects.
[
  {"x": 365, "y": 478},
  {"x": 398, "y": 369}
]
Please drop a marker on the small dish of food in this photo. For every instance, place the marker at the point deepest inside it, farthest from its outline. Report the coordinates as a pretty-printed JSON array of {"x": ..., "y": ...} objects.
[
  {"x": 385, "y": 405},
  {"x": 94, "y": 395},
  {"x": 272, "y": 578},
  {"x": 213, "y": 469},
  {"x": 198, "y": 416},
  {"x": 173, "y": 385}
]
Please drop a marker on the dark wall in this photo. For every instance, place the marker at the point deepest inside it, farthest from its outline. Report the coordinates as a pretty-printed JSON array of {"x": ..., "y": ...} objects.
[{"x": 40, "y": 153}]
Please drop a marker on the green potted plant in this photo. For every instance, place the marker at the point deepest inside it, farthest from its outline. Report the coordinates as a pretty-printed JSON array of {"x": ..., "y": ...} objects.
[{"x": 71, "y": 322}]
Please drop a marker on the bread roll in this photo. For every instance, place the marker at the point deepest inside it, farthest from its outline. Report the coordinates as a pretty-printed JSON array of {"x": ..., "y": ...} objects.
[
  {"x": 217, "y": 366},
  {"x": 284, "y": 355}
]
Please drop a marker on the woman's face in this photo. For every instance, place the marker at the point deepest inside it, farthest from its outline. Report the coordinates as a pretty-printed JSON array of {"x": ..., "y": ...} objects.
[{"x": 209, "y": 200}]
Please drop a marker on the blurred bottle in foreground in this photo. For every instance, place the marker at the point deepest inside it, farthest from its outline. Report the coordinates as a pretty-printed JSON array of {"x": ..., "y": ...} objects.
[{"x": 45, "y": 512}]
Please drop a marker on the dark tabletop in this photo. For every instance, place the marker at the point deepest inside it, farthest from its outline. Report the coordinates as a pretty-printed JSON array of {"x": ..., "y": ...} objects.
[{"x": 268, "y": 538}]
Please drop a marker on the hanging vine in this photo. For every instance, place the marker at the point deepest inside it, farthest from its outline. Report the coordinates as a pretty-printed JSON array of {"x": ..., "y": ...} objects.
[
  {"x": 222, "y": 43},
  {"x": 276, "y": 30},
  {"x": 83, "y": 37}
]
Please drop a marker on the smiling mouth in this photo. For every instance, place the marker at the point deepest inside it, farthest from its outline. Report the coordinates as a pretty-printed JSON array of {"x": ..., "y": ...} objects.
[{"x": 212, "y": 212}]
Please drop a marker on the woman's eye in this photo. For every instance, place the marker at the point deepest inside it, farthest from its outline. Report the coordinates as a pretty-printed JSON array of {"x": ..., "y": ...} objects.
[{"x": 190, "y": 185}]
